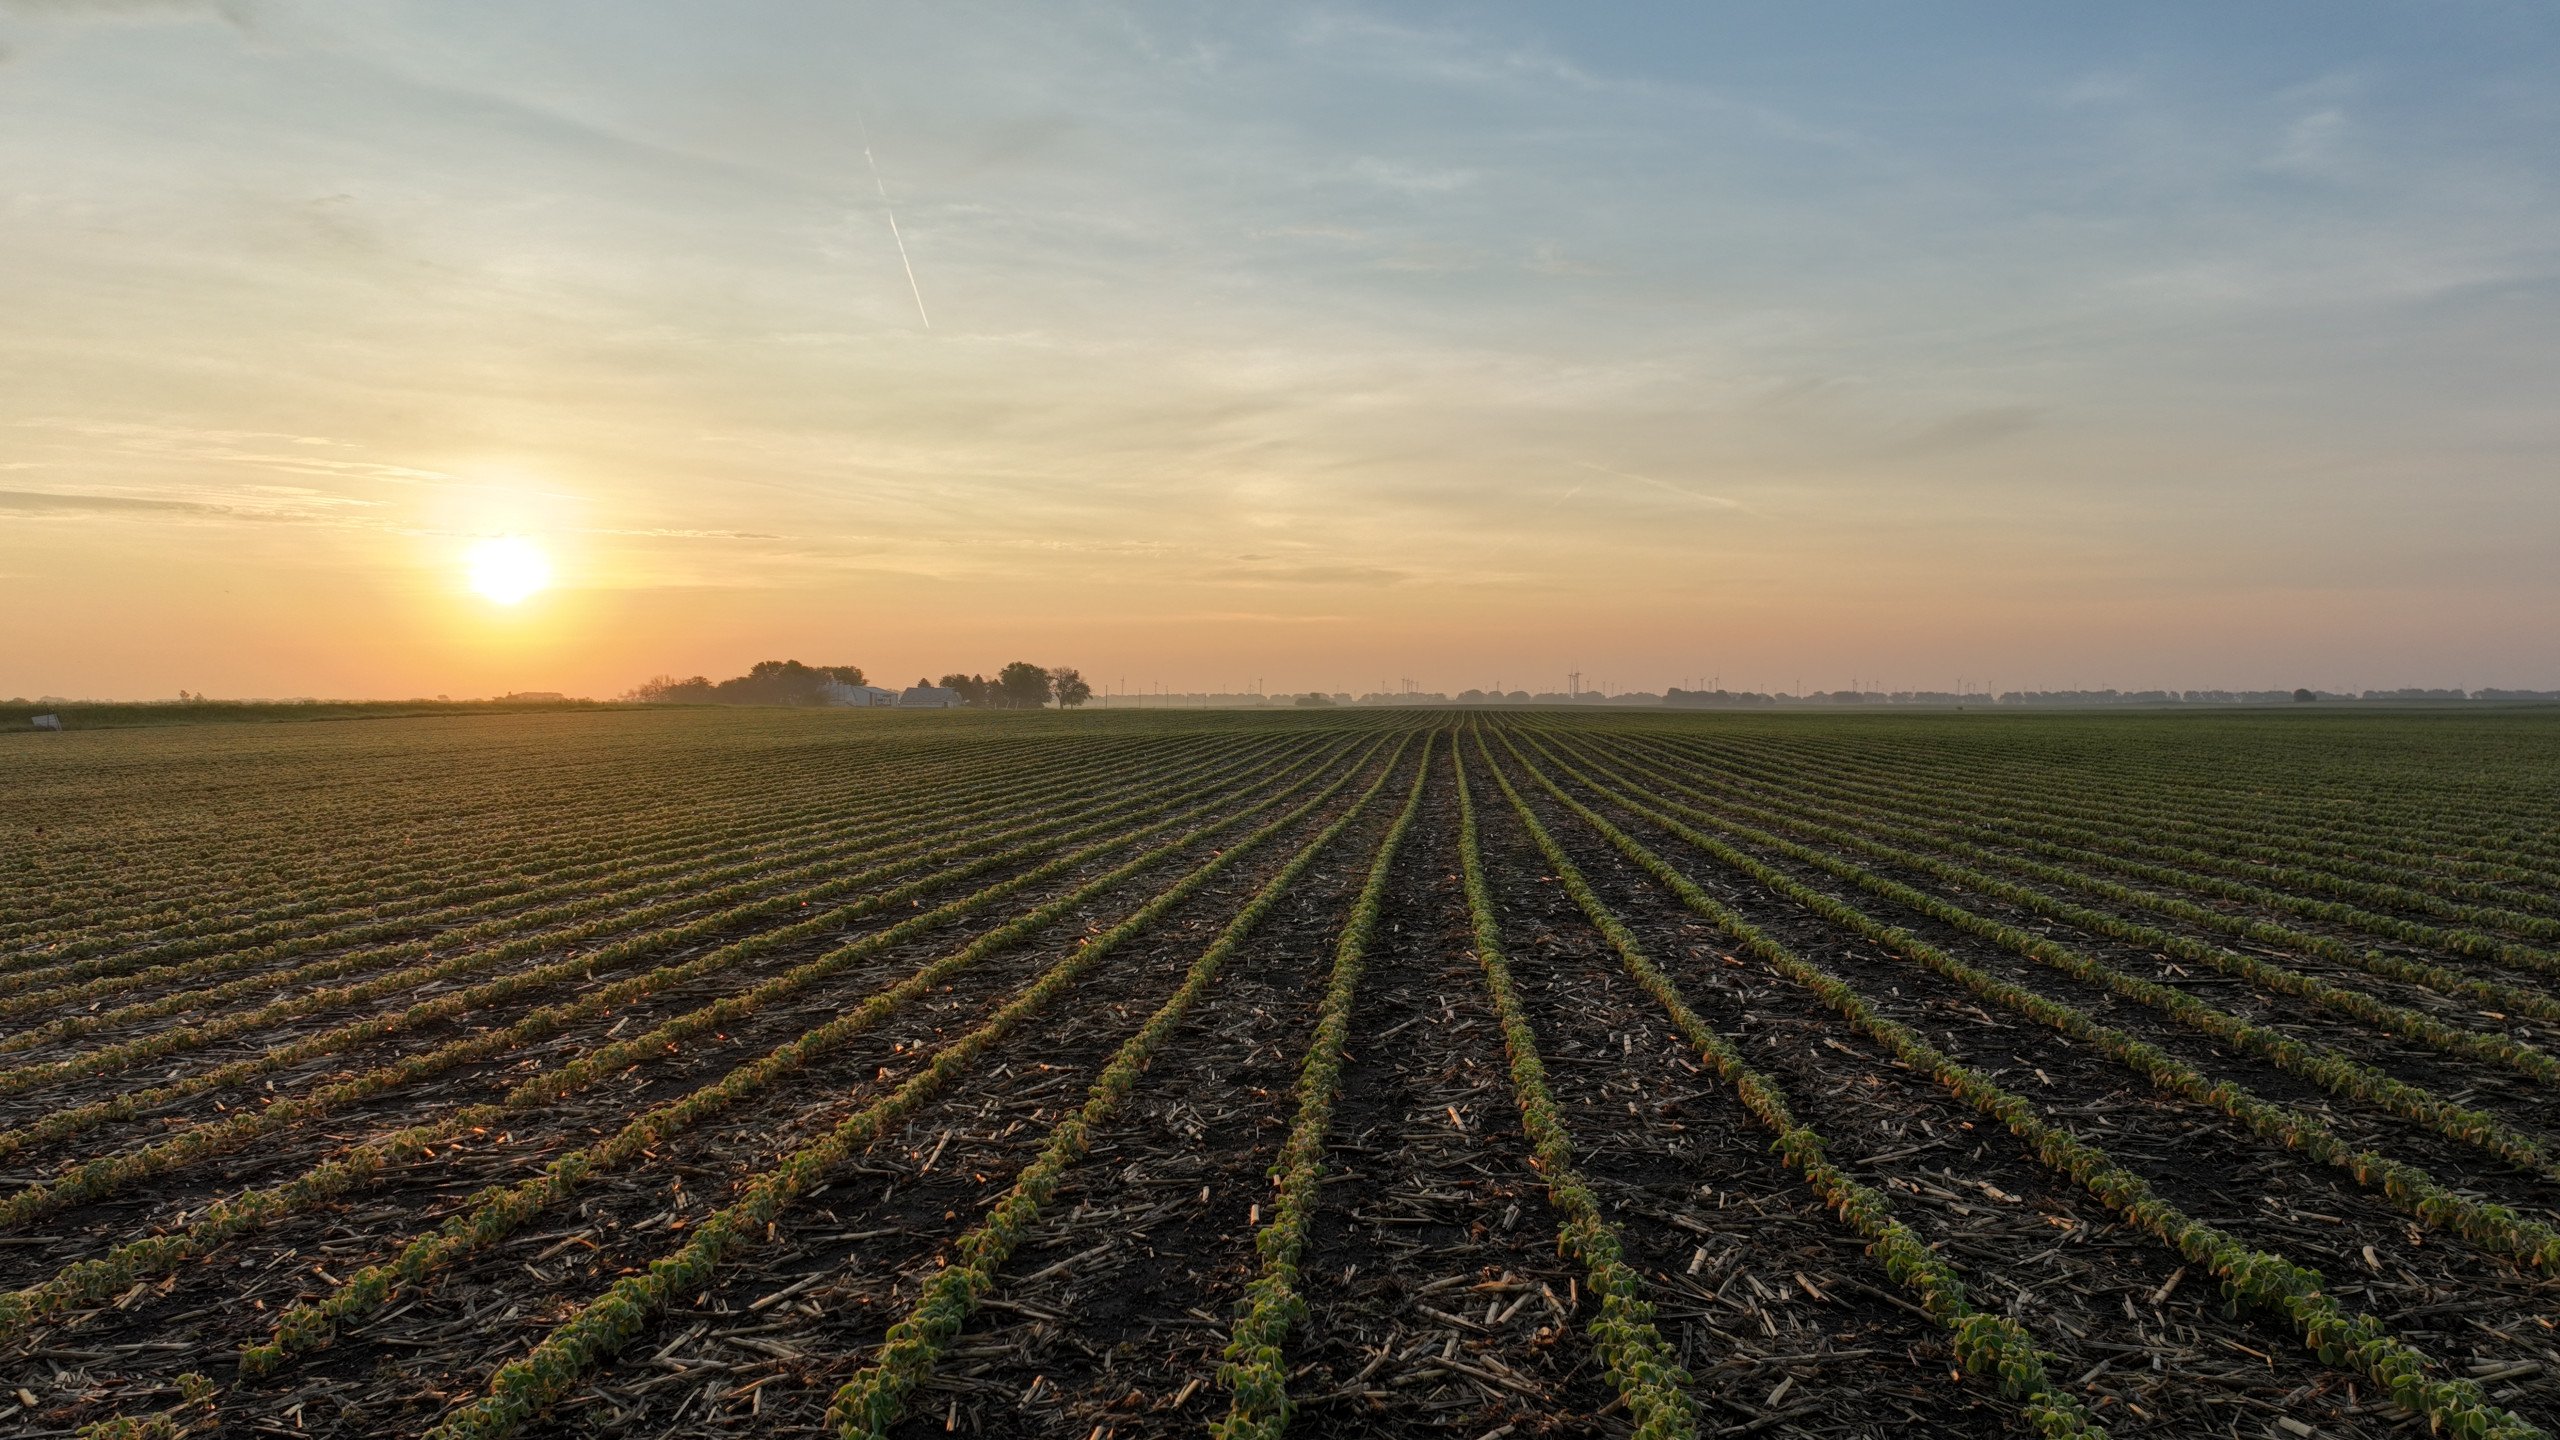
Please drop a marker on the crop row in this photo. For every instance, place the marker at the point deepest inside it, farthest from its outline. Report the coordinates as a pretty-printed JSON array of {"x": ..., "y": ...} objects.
[
  {"x": 500, "y": 1210},
  {"x": 310, "y": 867},
  {"x": 2113, "y": 830},
  {"x": 1254, "y": 1373},
  {"x": 64, "y": 1122},
  {"x": 1640, "y": 1364},
  {"x": 2025, "y": 830},
  {"x": 1989, "y": 1346},
  {"x": 523, "y": 1388},
  {"x": 2412, "y": 1189},
  {"x": 899, "y": 830},
  {"x": 239, "y": 1215},
  {"x": 426, "y": 895},
  {"x": 929, "y": 831},
  {"x": 2459, "y": 808},
  {"x": 97, "y": 1177},
  {"x": 2215, "y": 794},
  {"x": 2344, "y": 1000},
  {"x": 2251, "y": 1276},
  {"x": 2503, "y": 998}
]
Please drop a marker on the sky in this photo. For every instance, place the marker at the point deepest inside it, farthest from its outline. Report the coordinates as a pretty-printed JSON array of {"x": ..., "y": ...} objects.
[{"x": 1300, "y": 346}]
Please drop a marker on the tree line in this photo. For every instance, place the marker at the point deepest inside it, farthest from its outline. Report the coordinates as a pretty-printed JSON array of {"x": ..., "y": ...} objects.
[
  {"x": 1018, "y": 686},
  {"x": 1021, "y": 686}
]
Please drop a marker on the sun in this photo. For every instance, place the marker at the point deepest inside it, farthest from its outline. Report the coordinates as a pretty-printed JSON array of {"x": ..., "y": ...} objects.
[{"x": 507, "y": 569}]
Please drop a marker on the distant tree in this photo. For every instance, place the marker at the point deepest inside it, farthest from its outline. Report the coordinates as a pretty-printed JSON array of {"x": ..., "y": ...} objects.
[
  {"x": 785, "y": 682},
  {"x": 2304, "y": 695},
  {"x": 668, "y": 690},
  {"x": 767, "y": 682},
  {"x": 1314, "y": 698},
  {"x": 1022, "y": 686},
  {"x": 1067, "y": 683},
  {"x": 972, "y": 689}
]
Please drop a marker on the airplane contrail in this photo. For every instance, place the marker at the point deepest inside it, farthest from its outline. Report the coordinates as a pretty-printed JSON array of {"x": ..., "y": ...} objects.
[{"x": 892, "y": 213}]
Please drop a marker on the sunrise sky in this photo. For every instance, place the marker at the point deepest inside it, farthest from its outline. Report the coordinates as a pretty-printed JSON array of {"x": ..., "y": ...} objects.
[{"x": 2054, "y": 345}]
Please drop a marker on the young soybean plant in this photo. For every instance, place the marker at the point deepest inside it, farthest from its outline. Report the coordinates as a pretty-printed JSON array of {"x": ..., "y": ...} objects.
[{"x": 873, "y": 1400}]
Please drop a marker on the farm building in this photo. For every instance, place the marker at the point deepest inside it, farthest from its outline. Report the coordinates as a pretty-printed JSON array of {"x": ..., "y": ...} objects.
[
  {"x": 859, "y": 696},
  {"x": 929, "y": 697}
]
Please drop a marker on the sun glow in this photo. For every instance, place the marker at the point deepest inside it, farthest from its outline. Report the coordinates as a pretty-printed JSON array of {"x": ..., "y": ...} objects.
[{"x": 507, "y": 569}]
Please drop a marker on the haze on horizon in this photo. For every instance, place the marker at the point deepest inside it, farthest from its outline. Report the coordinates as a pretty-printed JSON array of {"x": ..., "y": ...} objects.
[{"x": 2177, "y": 345}]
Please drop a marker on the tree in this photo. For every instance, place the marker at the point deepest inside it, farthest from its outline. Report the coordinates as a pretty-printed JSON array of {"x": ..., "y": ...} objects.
[
  {"x": 767, "y": 682},
  {"x": 1022, "y": 686},
  {"x": 668, "y": 690},
  {"x": 1067, "y": 683},
  {"x": 972, "y": 689},
  {"x": 786, "y": 682}
]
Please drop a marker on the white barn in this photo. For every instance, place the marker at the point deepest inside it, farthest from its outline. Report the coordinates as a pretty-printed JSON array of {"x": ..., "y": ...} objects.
[{"x": 858, "y": 696}]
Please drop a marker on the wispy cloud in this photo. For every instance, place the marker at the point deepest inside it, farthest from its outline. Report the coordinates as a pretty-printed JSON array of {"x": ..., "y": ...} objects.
[
  {"x": 1969, "y": 430},
  {"x": 1695, "y": 497},
  {"x": 42, "y": 502},
  {"x": 2315, "y": 145},
  {"x": 1267, "y": 574}
]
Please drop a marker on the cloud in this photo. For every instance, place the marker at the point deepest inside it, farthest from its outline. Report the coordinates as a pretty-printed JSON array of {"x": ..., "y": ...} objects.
[
  {"x": 663, "y": 533},
  {"x": 1967, "y": 431},
  {"x": 1716, "y": 502},
  {"x": 1549, "y": 259},
  {"x": 41, "y": 502},
  {"x": 1411, "y": 179},
  {"x": 1366, "y": 575},
  {"x": 2101, "y": 87},
  {"x": 238, "y": 447},
  {"x": 2314, "y": 146},
  {"x": 234, "y": 12},
  {"x": 265, "y": 504}
]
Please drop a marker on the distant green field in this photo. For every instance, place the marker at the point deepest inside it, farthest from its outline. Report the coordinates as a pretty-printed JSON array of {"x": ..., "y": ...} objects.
[
  {"x": 642, "y": 1071},
  {"x": 218, "y": 712}
]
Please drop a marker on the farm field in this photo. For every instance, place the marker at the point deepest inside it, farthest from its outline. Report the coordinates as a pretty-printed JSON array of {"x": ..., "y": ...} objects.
[{"x": 1520, "y": 1073}]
